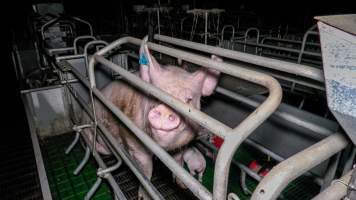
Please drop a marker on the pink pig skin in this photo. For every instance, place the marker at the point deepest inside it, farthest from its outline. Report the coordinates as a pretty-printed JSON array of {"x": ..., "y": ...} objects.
[{"x": 166, "y": 127}]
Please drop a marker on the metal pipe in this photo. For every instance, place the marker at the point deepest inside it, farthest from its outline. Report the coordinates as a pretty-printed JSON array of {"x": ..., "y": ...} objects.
[
  {"x": 96, "y": 42},
  {"x": 235, "y": 136},
  {"x": 109, "y": 177},
  {"x": 337, "y": 190},
  {"x": 83, "y": 162},
  {"x": 93, "y": 189},
  {"x": 75, "y": 141},
  {"x": 279, "y": 48},
  {"x": 285, "y": 172},
  {"x": 103, "y": 172},
  {"x": 309, "y": 32},
  {"x": 206, "y": 28},
  {"x": 322, "y": 131},
  {"x": 223, "y": 31},
  {"x": 289, "y": 41},
  {"x": 292, "y": 68},
  {"x": 81, "y": 38}
]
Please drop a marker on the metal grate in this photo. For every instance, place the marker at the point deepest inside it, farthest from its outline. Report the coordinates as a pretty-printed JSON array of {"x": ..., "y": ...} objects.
[
  {"x": 18, "y": 171},
  {"x": 65, "y": 186}
]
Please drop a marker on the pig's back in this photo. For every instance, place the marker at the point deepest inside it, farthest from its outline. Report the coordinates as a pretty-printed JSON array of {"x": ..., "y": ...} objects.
[{"x": 127, "y": 99}]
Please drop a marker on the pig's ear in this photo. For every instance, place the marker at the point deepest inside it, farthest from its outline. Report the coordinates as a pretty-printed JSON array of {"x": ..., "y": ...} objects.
[
  {"x": 208, "y": 78},
  {"x": 149, "y": 67}
]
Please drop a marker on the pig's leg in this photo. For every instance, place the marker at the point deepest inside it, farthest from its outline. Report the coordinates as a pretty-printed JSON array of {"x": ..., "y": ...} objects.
[
  {"x": 179, "y": 159},
  {"x": 144, "y": 160}
]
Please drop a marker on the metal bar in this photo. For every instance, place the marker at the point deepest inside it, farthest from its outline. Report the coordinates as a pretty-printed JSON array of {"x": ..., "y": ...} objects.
[
  {"x": 115, "y": 145},
  {"x": 322, "y": 131},
  {"x": 187, "y": 110},
  {"x": 349, "y": 161},
  {"x": 46, "y": 193},
  {"x": 206, "y": 28},
  {"x": 85, "y": 22},
  {"x": 59, "y": 58},
  {"x": 93, "y": 189},
  {"x": 292, "y": 68},
  {"x": 290, "y": 41},
  {"x": 279, "y": 48},
  {"x": 337, "y": 190},
  {"x": 109, "y": 177},
  {"x": 81, "y": 38},
  {"x": 309, "y": 32},
  {"x": 331, "y": 171},
  {"x": 83, "y": 162},
  {"x": 285, "y": 172},
  {"x": 86, "y": 47},
  {"x": 75, "y": 141},
  {"x": 103, "y": 172},
  {"x": 235, "y": 136}
]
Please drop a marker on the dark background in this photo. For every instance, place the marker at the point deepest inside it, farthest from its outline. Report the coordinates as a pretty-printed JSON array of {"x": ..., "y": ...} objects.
[{"x": 107, "y": 16}]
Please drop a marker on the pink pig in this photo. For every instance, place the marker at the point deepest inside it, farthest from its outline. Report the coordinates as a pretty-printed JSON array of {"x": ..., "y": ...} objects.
[{"x": 166, "y": 127}]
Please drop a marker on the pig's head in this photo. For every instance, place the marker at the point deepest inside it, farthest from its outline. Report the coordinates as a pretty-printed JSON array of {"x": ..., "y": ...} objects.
[{"x": 167, "y": 127}]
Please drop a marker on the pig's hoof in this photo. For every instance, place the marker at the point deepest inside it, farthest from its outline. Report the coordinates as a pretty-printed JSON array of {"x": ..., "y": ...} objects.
[{"x": 142, "y": 194}]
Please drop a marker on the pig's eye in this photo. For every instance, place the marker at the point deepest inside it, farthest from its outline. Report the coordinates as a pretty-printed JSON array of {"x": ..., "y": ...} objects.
[{"x": 188, "y": 100}]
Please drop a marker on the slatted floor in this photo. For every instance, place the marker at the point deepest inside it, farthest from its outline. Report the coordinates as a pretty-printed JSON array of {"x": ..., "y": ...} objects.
[{"x": 65, "y": 186}]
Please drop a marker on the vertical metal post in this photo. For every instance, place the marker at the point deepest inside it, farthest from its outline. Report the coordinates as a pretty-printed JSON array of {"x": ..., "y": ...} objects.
[{"x": 206, "y": 27}]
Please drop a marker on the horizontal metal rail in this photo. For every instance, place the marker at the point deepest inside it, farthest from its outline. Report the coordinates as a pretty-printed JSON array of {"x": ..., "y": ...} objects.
[
  {"x": 278, "y": 48},
  {"x": 337, "y": 190},
  {"x": 292, "y": 68},
  {"x": 282, "y": 174},
  {"x": 320, "y": 130},
  {"x": 234, "y": 137}
]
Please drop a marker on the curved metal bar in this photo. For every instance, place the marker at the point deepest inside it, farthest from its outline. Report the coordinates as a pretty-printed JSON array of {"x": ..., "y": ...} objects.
[
  {"x": 337, "y": 190},
  {"x": 87, "y": 45},
  {"x": 75, "y": 141},
  {"x": 81, "y": 38},
  {"x": 83, "y": 162},
  {"x": 102, "y": 172},
  {"x": 84, "y": 22},
  {"x": 257, "y": 37},
  {"x": 309, "y": 32},
  {"x": 292, "y": 68},
  {"x": 285, "y": 172},
  {"x": 234, "y": 137},
  {"x": 47, "y": 24},
  {"x": 58, "y": 18},
  {"x": 223, "y": 31},
  {"x": 93, "y": 189}
]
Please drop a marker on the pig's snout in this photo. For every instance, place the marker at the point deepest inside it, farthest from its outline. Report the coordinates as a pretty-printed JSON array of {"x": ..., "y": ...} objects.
[{"x": 163, "y": 118}]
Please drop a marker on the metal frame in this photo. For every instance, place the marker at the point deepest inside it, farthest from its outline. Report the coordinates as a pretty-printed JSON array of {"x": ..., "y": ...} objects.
[
  {"x": 46, "y": 193},
  {"x": 337, "y": 190},
  {"x": 234, "y": 137},
  {"x": 288, "y": 67},
  {"x": 285, "y": 172}
]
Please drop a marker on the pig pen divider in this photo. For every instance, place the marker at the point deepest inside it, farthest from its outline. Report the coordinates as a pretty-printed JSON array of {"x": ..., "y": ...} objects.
[{"x": 233, "y": 137}]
